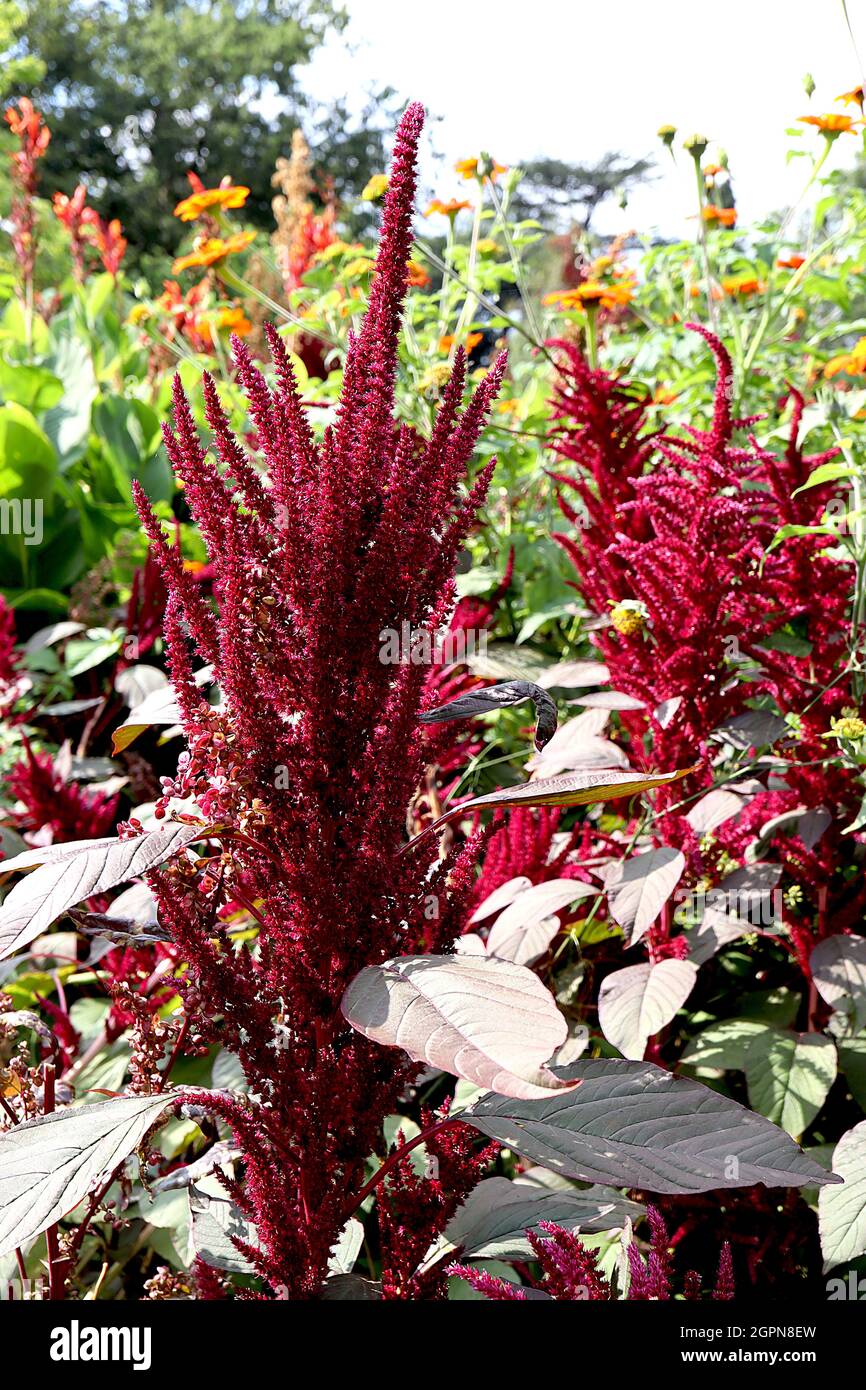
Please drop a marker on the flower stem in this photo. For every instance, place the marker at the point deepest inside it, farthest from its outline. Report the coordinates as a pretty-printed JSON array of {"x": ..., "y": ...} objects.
[{"x": 394, "y": 1159}]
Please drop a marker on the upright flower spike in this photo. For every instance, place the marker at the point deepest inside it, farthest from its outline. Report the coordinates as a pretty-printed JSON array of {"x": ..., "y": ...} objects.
[{"x": 309, "y": 764}]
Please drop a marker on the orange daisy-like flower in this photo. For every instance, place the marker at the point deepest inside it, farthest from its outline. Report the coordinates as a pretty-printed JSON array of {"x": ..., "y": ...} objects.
[
  {"x": 484, "y": 168},
  {"x": 416, "y": 276},
  {"x": 853, "y": 362},
  {"x": 712, "y": 171},
  {"x": 471, "y": 340},
  {"x": 832, "y": 124},
  {"x": 726, "y": 217},
  {"x": 592, "y": 294},
  {"x": 852, "y": 98},
  {"x": 791, "y": 262},
  {"x": 744, "y": 284},
  {"x": 234, "y": 320},
  {"x": 449, "y": 209},
  {"x": 209, "y": 250},
  {"x": 230, "y": 195}
]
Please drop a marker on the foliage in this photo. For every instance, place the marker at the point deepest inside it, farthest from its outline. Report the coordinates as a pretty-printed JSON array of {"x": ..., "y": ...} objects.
[
  {"x": 138, "y": 94},
  {"x": 394, "y": 1005}
]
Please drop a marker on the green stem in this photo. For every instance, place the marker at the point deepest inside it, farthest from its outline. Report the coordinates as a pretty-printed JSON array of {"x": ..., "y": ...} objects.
[{"x": 704, "y": 245}]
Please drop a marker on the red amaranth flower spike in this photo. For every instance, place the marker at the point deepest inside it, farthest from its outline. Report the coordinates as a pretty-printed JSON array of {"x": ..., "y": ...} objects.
[{"x": 309, "y": 764}]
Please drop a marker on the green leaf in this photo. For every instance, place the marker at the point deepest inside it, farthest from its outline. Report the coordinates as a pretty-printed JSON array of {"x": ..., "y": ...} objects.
[
  {"x": 33, "y": 387},
  {"x": 842, "y": 1210},
  {"x": 28, "y": 462},
  {"x": 852, "y": 1063},
  {"x": 48, "y": 1165},
  {"x": 789, "y": 1076},
  {"x": 724, "y": 1045},
  {"x": 825, "y": 473}
]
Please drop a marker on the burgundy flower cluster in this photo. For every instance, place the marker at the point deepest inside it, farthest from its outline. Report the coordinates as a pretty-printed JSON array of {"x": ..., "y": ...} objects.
[
  {"x": 671, "y": 548},
  {"x": 569, "y": 1270},
  {"x": 50, "y": 803},
  {"x": 672, "y": 543},
  {"x": 307, "y": 766}
]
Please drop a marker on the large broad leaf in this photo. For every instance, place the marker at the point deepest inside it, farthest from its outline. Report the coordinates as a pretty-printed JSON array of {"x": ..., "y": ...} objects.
[
  {"x": 713, "y": 810},
  {"x": 635, "y": 1003},
  {"x": 489, "y": 1021},
  {"x": 789, "y": 1076},
  {"x": 725, "y": 1045},
  {"x": 44, "y": 895},
  {"x": 500, "y": 898},
  {"x": 48, "y": 1165},
  {"x": 842, "y": 1210},
  {"x": 572, "y": 789},
  {"x": 637, "y": 889},
  {"x": 493, "y": 1221},
  {"x": 632, "y": 1124},
  {"x": 570, "y": 675},
  {"x": 852, "y": 1063},
  {"x": 159, "y": 708},
  {"x": 575, "y": 748},
  {"x": 838, "y": 965},
  {"x": 51, "y": 854},
  {"x": 524, "y": 930},
  {"x": 214, "y": 1221}
]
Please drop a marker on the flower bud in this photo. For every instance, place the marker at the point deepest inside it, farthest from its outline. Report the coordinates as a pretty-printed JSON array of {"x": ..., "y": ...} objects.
[{"x": 696, "y": 145}]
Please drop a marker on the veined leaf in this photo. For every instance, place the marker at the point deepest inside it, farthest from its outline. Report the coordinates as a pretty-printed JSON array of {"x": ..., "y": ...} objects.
[
  {"x": 638, "y": 888},
  {"x": 486, "y": 1020},
  {"x": 497, "y": 900},
  {"x": 789, "y": 1076},
  {"x": 572, "y": 789},
  {"x": 636, "y": 1003},
  {"x": 492, "y": 1223},
  {"x": 515, "y": 934},
  {"x": 214, "y": 1221},
  {"x": 631, "y": 1124},
  {"x": 96, "y": 865},
  {"x": 838, "y": 965},
  {"x": 842, "y": 1210},
  {"x": 49, "y": 1164}
]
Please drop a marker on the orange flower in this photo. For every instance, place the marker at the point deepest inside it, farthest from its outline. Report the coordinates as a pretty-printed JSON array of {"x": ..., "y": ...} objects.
[
  {"x": 712, "y": 171},
  {"x": 663, "y": 395},
  {"x": 744, "y": 284},
  {"x": 726, "y": 217},
  {"x": 234, "y": 320},
  {"x": 26, "y": 123},
  {"x": 832, "y": 124},
  {"x": 449, "y": 209},
  {"x": 853, "y": 362},
  {"x": 210, "y": 250},
  {"x": 417, "y": 277},
  {"x": 229, "y": 195},
  {"x": 853, "y": 98},
  {"x": 791, "y": 262},
  {"x": 471, "y": 340},
  {"x": 483, "y": 168},
  {"x": 593, "y": 293}
]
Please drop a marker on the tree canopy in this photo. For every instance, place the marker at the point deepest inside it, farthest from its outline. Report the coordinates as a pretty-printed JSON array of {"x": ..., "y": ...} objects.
[{"x": 138, "y": 92}]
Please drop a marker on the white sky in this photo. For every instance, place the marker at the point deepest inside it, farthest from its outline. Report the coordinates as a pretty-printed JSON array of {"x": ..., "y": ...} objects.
[{"x": 570, "y": 79}]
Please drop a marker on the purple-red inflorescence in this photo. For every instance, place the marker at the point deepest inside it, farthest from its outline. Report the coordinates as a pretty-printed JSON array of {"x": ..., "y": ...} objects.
[{"x": 318, "y": 546}]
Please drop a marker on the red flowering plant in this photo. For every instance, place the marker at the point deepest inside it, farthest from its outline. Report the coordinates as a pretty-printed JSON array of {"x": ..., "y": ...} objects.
[
  {"x": 305, "y": 936},
  {"x": 724, "y": 625}
]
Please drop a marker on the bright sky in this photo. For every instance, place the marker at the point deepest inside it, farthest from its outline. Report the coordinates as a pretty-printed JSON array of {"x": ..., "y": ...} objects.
[{"x": 522, "y": 78}]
